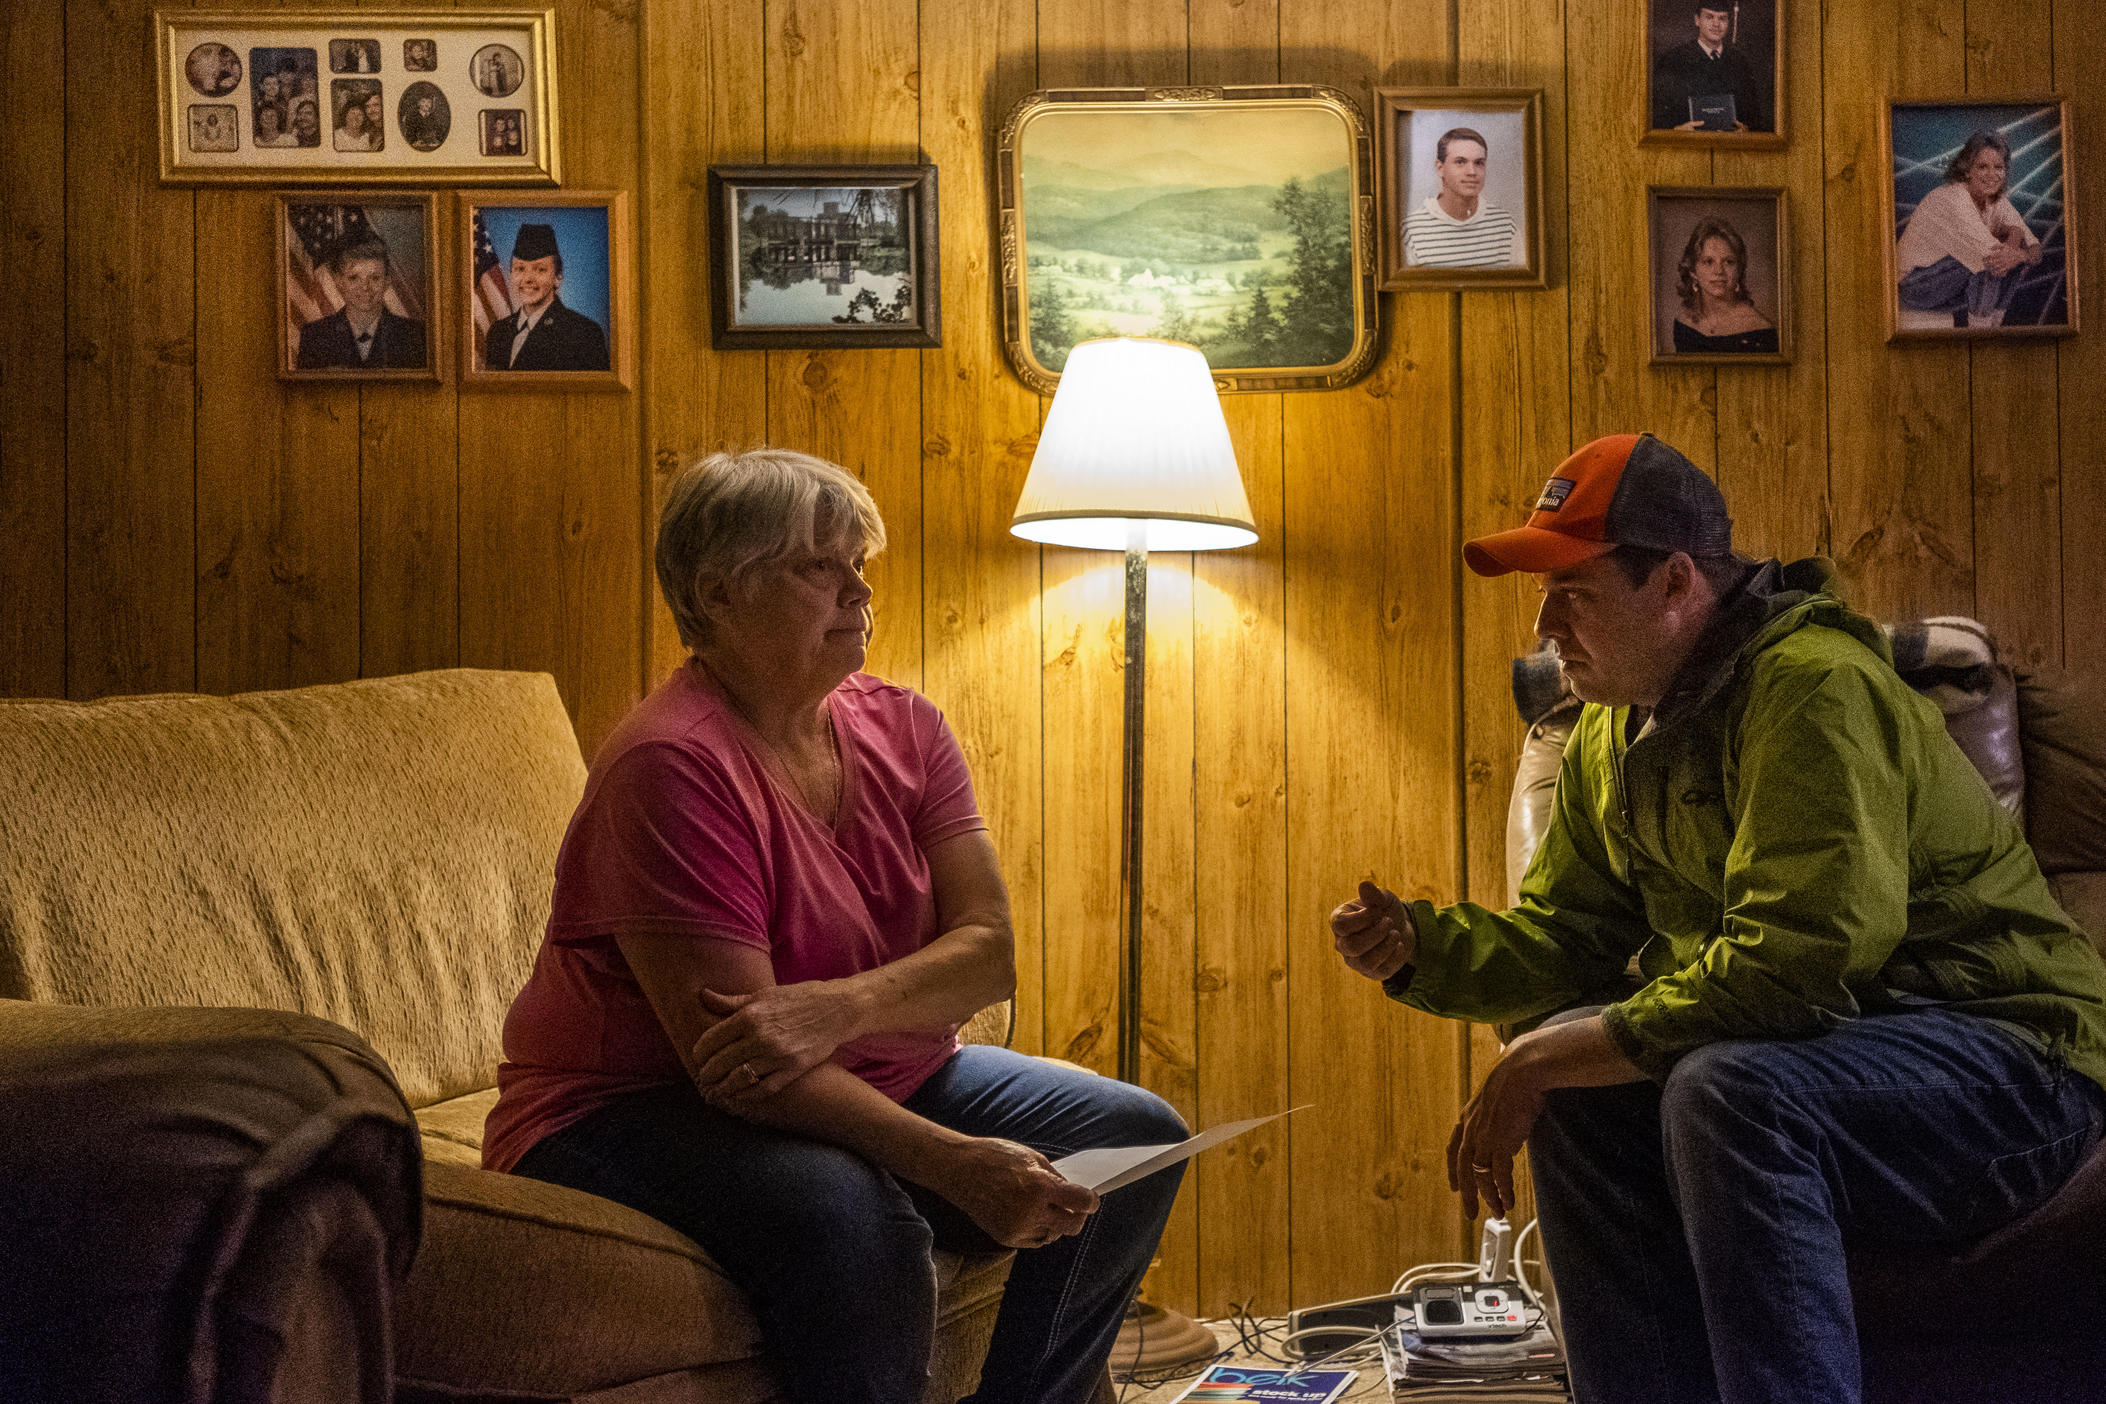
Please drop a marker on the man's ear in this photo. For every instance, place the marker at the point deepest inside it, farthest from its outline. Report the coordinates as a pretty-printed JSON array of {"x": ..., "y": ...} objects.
[{"x": 1681, "y": 577}]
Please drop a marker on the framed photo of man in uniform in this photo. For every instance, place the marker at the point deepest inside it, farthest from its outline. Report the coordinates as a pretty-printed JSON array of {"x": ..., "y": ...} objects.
[
  {"x": 358, "y": 286},
  {"x": 1714, "y": 72},
  {"x": 1461, "y": 182},
  {"x": 550, "y": 292}
]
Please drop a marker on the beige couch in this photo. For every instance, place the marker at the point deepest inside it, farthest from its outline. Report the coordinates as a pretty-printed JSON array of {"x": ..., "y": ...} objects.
[{"x": 378, "y": 854}]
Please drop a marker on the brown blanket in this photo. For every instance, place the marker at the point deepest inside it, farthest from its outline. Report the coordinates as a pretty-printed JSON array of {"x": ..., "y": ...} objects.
[{"x": 201, "y": 1206}]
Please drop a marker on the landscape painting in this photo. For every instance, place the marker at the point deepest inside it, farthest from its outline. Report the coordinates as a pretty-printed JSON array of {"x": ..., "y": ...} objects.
[{"x": 1232, "y": 224}]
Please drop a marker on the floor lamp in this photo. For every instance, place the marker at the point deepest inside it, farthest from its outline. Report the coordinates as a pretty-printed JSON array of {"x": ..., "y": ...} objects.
[{"x": 1135, "y": 456}]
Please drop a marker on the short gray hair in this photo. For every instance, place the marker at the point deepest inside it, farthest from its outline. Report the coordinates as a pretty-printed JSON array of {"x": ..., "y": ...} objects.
[{"x": 730, "y": 512}]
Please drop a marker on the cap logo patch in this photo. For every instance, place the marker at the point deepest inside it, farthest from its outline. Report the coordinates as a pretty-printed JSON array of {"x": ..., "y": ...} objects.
[{"x": 1554, "y": 494}]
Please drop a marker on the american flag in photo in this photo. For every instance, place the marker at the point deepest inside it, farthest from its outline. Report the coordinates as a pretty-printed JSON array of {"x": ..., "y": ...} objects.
[
  {"x": 319, "y": 230},
  {"x": 493, "y": 294}
]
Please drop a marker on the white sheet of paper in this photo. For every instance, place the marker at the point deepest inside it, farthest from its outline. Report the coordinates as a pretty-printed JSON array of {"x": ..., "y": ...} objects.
[{"x": 1108, "y": 1169}]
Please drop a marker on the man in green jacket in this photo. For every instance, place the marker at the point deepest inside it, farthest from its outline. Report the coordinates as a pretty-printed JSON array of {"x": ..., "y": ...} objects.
[{"x": 1859, "y": 1013}]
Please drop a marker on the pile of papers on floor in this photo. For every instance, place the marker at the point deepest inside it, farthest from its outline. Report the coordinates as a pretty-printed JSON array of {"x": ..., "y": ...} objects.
[{"x": 1527, "y": 1369}]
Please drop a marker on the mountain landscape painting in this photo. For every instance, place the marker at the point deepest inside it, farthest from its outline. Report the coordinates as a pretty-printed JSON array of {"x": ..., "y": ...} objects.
[{"x": 1226, "y": 226}]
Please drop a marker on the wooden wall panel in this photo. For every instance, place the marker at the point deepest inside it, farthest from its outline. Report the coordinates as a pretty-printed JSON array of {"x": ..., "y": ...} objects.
[
  {"x": 980, "y": 600},
  {"x": 409, "y": 521},
  {"x": 1903, "y": 521},
  {"x": 2017, "y": 469},
  {"x": 130, "y": 374},
  {"x": 33, "y": 354},
  {"x": 841, "y": 88},
  {"x": 1241, "y": 929},
  {"x": 1372, "y": 731},
  {"x": 277, "y": 477},
  {"x": 2081, "y": 364},
  {"x": 695, "y": 401},
  {"x": 551, "y": 499}
]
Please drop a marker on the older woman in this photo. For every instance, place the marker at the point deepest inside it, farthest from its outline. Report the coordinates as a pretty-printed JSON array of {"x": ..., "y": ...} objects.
[
  {"x": 774, "y": 907},
  {"x": 1964, "y": 239},
  {"x": 1718, "y": 317}
]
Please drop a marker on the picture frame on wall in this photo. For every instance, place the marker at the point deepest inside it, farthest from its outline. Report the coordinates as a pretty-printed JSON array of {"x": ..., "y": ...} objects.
[
  {"x": 1719, "y": 261},
  {"x": 1461, "y": 180},
  {"x": 824, "y": 257},
  {"x": 1714, "y": 73},
  {"x": 358, "y": 286},
  {"x": 549, "y": 290},
  {"x": 1238, "y": 219},
  {"x": 1980, "y": 236},
  {"x": 367, "y": 97}
]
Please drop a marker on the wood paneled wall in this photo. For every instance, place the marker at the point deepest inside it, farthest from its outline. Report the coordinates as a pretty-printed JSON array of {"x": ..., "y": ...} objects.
[{"x": 1328, "y": 704}]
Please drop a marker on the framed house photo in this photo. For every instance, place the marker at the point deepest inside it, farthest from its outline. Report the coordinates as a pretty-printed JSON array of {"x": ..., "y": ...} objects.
[
  {"x": 824, "y": 256},
  {"x": 1462, "y": 187},
  {"x": 1237, "y": 219},
  {"x": 550, "y": 291},
  {"x": 366, "y": 97},
  {"x": 1980, "y": 236},
  {"x": 1720, "y": 291},
  {"x": 358, "y": 286},
  {"x": 1714, "y": 72}
]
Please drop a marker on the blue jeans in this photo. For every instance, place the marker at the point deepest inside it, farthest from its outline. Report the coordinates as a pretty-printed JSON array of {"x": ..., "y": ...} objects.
[
  {"x": 833, "y": 1252},
  {"x": 1947, "y": 286},
  {"x": 1697, "y": 1230}
]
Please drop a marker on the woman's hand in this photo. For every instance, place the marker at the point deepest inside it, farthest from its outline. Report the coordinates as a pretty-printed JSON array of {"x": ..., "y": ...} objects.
[
  {"x": 1012, "y": 1192},
  {"x": 2002, "y": 259},
  {"x": 764, "y": 1041}
]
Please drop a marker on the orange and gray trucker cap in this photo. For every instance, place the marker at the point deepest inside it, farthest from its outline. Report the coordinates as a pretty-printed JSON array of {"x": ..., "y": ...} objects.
[{"x": 1622, "y": 490}]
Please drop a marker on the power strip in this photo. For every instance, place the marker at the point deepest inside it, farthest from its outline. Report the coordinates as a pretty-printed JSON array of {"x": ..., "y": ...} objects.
[{"x": 1337, "y": 1326}]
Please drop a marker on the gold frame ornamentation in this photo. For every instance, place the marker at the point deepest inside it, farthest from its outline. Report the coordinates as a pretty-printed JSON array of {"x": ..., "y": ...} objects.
[
  {"x": 1392, "y": 103},
  {"x": 1144, "y": 102},
  {"x": 529, "y": 33}
]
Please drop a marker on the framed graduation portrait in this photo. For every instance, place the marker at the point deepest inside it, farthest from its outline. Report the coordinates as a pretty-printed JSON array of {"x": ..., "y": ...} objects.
[
  {"x": 358, "y": 286},
  {"x": 1714, "y": 73},
  {"x": 549, "y": 291}
]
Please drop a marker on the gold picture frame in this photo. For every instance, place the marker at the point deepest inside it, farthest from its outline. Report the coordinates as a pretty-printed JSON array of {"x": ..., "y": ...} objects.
[
  {"x": 1413, "y": 164},
  {"x": 1920, "y": 150},
  {"x": 1672, "y": 40},
  {"x": 461, "y": 97},
  {"x": 496, "y": 230},
  {"x": 1703, "y": 226},
  {"x": 1223, "y": 261},
  {"x": 327, "y": 242}
]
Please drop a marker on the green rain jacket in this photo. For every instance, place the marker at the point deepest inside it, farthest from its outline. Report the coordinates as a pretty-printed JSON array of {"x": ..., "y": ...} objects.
[{"x": 1793, "y": 842}]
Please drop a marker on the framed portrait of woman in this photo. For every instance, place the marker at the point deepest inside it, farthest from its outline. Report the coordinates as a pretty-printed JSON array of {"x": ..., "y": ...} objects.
[
  {"x": 1979, "y": 238},
  {"x": 1721, "y": 291}
]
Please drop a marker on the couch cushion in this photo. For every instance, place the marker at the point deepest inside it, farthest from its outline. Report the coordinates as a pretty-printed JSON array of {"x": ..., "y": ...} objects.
[
  {"x": 586, "y": 1294},
  {"x": 2063, "y": 722},
  {"x": 377, "y": 853}
]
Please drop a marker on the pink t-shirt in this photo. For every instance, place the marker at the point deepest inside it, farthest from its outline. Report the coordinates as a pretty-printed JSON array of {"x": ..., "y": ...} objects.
[{"x": 685, "y": 830}]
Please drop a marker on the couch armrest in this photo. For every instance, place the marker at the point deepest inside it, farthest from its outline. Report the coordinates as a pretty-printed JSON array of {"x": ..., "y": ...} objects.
[{"x": 203, "y": 1204}]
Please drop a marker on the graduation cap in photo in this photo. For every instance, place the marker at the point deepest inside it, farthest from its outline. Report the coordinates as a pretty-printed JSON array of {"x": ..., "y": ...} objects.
[{"x": 534, "y": 241}]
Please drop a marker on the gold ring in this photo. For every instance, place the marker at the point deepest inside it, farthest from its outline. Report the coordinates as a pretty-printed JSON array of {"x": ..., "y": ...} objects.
[
  {"x": 1482, "y": 1169},
  {"x": 751, "y": 1075}
]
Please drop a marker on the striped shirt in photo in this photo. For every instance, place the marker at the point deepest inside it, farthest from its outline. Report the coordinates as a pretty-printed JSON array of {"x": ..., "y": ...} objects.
[{"x": 1433, "y": 238}]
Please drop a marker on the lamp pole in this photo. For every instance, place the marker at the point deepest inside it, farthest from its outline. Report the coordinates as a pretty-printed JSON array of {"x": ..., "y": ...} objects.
[{"x": 1133, "y": 771}]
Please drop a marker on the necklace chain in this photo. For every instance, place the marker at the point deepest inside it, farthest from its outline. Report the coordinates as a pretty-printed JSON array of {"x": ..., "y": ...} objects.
[{"x": 826, "y": 814}]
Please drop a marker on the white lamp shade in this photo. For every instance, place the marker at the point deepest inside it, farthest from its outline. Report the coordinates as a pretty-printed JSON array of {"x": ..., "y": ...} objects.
[{"x": 1135, "y": 438}]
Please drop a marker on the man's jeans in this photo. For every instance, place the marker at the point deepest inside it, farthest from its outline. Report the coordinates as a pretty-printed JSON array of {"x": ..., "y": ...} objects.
[
  {"x": 834, "y": 1253},
  {"x": 1697, "y": 1231}
]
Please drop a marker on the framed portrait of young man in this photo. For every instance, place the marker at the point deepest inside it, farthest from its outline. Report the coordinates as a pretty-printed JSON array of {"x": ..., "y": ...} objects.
[
  {"x": 1720, "y": 289},
  {"x": 358, "y": 286},
  {"x": 1980, "y": 235},
  {"x": 1462, "y": 187},
  {"x": 1714, "y": 72},
  {"x": 550, "y": 291}
]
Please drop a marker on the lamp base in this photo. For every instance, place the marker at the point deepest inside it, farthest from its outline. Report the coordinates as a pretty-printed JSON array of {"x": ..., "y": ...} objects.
[{"x": 1154, "y": 1340}]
